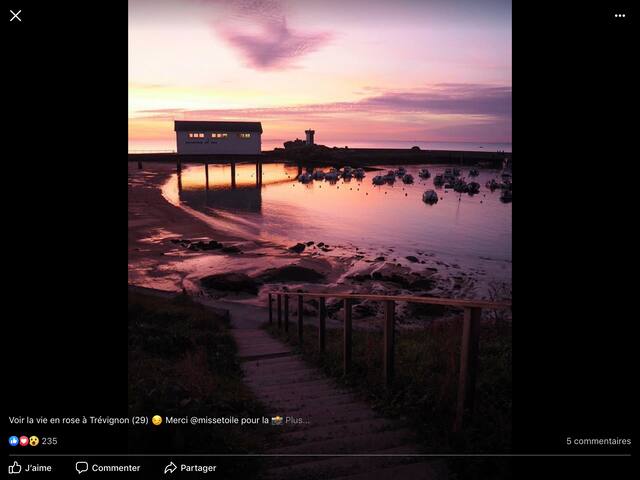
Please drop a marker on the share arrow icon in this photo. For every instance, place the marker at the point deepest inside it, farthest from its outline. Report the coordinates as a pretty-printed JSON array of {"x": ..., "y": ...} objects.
[{"x": 170, "y": 468}]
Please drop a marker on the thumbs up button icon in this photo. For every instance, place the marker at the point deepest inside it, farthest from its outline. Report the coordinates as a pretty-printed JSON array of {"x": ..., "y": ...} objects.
[{"x": 15, "y": 468}]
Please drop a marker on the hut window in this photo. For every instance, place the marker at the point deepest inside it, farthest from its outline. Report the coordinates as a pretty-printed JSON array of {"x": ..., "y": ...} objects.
[
  {"x": 219, "y": 135},
  {"x": 244, "y": 135}
]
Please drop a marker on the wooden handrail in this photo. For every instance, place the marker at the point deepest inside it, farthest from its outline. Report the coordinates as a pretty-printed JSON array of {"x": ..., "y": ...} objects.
[
  {"x": 453, "y": 302},
  {"x": 469, "y": 350}
]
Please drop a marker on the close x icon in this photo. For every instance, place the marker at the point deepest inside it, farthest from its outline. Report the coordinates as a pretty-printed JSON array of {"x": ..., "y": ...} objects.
[{"x": 14, "y": 15}]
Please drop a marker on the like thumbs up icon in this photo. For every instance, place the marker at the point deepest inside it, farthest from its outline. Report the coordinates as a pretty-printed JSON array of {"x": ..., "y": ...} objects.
[{"x": 15, "y": 468}]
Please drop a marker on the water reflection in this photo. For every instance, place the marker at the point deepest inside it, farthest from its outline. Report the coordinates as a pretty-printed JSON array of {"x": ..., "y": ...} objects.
[
  {"x": 230, "y": 186},
  {"x": 274, "y": 205}
]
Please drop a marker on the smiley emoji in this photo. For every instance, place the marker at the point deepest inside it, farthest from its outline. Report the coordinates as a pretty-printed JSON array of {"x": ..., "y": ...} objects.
[
  {"x": 34, "y": 441},
  {"x": 156, "y": 420}
]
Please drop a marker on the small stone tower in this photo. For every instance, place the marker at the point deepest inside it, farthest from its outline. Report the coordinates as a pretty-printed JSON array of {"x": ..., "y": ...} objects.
[{"x": 310, "y": 134}]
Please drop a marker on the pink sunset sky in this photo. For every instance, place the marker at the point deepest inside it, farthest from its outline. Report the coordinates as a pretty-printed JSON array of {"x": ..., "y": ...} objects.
[{"x": 355, "y": 71}]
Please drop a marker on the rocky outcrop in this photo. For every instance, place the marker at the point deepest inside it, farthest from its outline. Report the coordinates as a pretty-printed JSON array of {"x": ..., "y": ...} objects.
[
  {"x": 231, "y": 282},
  {"x": 291, "y": 273},
  {"x": 298, "y": 248}
]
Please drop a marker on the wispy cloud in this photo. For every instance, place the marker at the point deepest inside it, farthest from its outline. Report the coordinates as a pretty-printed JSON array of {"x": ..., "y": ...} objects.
[
  {"x": 444, "y": 99},
  {"x": 260, "y": 31}
]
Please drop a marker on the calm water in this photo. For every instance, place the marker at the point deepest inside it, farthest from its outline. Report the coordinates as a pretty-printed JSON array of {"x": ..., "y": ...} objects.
[{"x": 374, "y": 218}]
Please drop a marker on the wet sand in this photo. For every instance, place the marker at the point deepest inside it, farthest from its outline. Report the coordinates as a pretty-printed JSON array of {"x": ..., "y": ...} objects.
[{"x": 157, "y": 260}]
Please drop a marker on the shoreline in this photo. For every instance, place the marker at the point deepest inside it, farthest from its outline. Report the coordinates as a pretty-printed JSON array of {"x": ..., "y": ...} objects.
[
  {"x": 167, "y": 250},
  {"x": 356, "y": 157}
]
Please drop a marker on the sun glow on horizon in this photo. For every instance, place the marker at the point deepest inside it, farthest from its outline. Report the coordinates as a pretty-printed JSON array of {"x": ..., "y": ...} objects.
[{"x": 408, "y": 72}]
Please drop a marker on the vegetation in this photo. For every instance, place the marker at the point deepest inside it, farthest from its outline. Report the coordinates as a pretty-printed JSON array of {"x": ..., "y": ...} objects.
[
  {"x": 183, "y": 362},
  {"x": 425, "y": 385}
]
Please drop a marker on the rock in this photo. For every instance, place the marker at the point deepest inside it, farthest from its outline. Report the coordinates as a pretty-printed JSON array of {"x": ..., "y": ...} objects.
[
  {"x": 409, "y": 282},
  {"x": 422, "y": 283},
  {"x": 380, "y": 259},
  {"x": 310, "y": 243},
  {"x": 175, "y": 240},
  {"x": 412, "y": 259},
  {"x": 360, "y": 277},
  {"x": 291, "y": 273},
  {"x": 231, "y": 282},
  {"x": 298, "y": 248},
  {"x": 320, "y": 244},
  {"x": 212, "y": 245},
  {"x": 231, "y": 249}
]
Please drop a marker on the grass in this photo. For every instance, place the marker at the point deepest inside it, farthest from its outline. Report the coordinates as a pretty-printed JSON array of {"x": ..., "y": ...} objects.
[
  {"x": 183, "y": 362},
  {"x": 425, "y": 385}
]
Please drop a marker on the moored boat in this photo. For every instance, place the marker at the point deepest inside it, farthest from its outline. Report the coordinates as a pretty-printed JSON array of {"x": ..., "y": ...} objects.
[
  {"x": 407, "y": 178},
  {"x": 305, "y": 178},
  {"x": 473, "y": 187},
  {"x": 332, "y": 176},
  {"x": 424, "y": 173},
  {"x": 430, "y": 197},
  {"x": 492, "y": 184},
  {"x": 506, "y": 196}
]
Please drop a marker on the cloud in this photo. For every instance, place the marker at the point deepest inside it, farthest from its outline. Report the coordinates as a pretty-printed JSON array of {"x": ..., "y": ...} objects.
[
  {"x": 440, "y": 99},
  {"x": 448, "y": 98},
  {"x": 260, "y": 31}
]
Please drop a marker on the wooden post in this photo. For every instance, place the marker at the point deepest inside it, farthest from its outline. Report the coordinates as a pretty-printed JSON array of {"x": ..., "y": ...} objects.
[
  {"x": 279, "y": 303},
  {"x": 286, "y": 313},
  {"x": 270, "y": 310},
  {"x": 468, "y": 367},
  {"x": 206, "y": 175},
  {"x": 233, "y": 174},
  {"x": 300, "y": 315},
  {"x": 347, "y": 335},
  {"x": 321, "y": 324},
  {"x": 389, "y": 340},
  {"x": 139, "y": 164}
]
